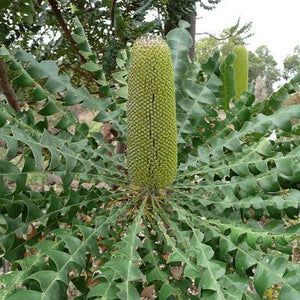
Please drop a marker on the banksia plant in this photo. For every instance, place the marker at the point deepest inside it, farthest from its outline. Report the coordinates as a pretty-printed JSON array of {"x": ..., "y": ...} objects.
[
  {"x": 152, "y": 134},
  {"x": 240, "y": 69},
  {"x": 228, "y": 231}
]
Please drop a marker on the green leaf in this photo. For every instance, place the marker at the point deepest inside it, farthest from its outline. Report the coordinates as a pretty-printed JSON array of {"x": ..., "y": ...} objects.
[
  {"x": 244, "y": 261},
  {"x": 66, "y": 121},
  {"x": 4, "y": 4},
  {"x": 168, "y": 290},
  {"x": 269, "y": 271},
  {"x": 183, "y": 24},
  {"x": 128, "y": 291},
  {"x": 4, "y": 115},
  {"x": 180, "y": 36},
  {"x": 10, "y": 171},
  {"x": 74, "y": 96},
  {"x": 108, "y": 290},
  {"x": 33, "y": 212},
  {"x": 228, "y": 88},
  {"x": 39, "y": 94},
  {"x": 34, "y": 146},
  {"x": 269, "y": 183},
  {"x": 23, "y": 80},
  {"x": 44, "y": 278},
  {"x": 22, "y": 55},
  {"x": 125, "y": 264},
  {"x": 234, "y": 286},
  {"x": 25, "y": 294},
  {"x": 122, "y": 92},
  {"x": 37, "y": 70},
  {"x": 59, "y": 258},
  {"x": 7, "y": 167},
  {"x": 55, "y": 84},
  {"x": 211, "y": 275},
  {"x": 120, "y": 77},
  {"x": 49, "y": 109},
  {"x": 282, "y": 120},
  {"x": 47, "y": 140},
  {"x": 199, "y": 93},
  {"x": 91, "y": 66},
  {"x": 179, "y": 41},
  {"x": 285, "y": 165},
  {"x": 264, "y": 147},
  {"x": 290, "y": 289}
]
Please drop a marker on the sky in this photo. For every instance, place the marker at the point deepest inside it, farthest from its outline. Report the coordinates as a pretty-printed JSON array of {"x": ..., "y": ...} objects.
[{"x": 275, "y": 23}]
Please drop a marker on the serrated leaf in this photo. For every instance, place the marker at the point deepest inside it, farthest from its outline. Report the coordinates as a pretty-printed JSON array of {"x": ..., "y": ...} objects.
[
  {"x": 269, "y": 272},
  {"x": 39, "y": 94},
  {"x": 49, "y": 109},
  {"x": 228, "y": 87},
  {"x": 37, "y": 70},
  {"x": 23, "y": 80},
  {"x": 128, "y": 270},
  {"x": 122, "y": 92},
  {"x": 285, "y": 165},
  {"x": 107, "y": 290},
  {"x": 34, "y": 146},
  {"x": 22, "y": 55},
  {"x": 290, "y": 289},
  {"x": 210, "y": 276},
  {"x": 199, "y": 93},
  {"x": 179, "y": 41},
  {"x": 168, "y": 290},
  {"x": 4, "y": 115},
  {"x": 28, "y": 294},
  {"x": 48, "y": 141},
  {"x": 128, "y": 291},
  {"x": 44, "y": 278},
  {"x": 91, "y": 66},
  {"x": 269, "y": 183},
  {"x": 244, "y": 261},
  {"x": 120, "y": 77},
  {"x": 55, "y": 84},
  {"x": 125, "y": 260}
]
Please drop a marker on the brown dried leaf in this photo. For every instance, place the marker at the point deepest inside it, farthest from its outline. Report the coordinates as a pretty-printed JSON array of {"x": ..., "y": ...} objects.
[
  {"x": 166, "y": 256},
  {"x": 231, "y": 126},
  {"x": 148, "y": 292},
  {"x": 31, "y": 233},
  {"x": 296, "y": 251},
  {"x": 91, "y": 282},
  {"x": 176, "y": 272}
]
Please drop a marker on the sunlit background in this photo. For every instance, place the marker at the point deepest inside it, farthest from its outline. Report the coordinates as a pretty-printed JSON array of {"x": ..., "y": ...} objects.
[{"x": 275, "y": 23}]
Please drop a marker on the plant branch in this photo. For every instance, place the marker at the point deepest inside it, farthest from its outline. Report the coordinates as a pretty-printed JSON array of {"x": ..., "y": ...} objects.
[
  {"x": 213, "y": 36},
  {"x": 64, "y": 26},
  {"x": 89, "y": 76},
  {"x": 7, "y": 88},
  {"x": 112, "y": 14}
]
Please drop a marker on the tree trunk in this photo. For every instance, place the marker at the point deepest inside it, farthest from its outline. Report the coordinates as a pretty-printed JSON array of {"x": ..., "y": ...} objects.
[
  {"x": 7, "y": 89},
  {"x": 174, "y": 17},
  {"x": 191, "y": 19}
]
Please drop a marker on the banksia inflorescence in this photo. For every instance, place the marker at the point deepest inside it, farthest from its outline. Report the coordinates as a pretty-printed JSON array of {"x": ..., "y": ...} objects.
[
  {"x": 151, "y": 112},
  {"x": 240, "y": 70}
]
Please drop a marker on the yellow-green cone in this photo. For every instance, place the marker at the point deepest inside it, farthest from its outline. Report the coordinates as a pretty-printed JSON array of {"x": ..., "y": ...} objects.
[
  {"x": 151, "y": 113},
  {"x": 240, "y": 66}
]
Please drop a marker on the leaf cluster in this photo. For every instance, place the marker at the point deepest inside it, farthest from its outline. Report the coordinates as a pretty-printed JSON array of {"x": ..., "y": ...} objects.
[{"x": 228, "y": 229}]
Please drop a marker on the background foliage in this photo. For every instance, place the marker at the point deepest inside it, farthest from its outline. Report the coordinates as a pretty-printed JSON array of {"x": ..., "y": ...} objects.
[
  {"x": 229, "y": 227},
  {"x": 44, "y": 27},
  {"x": 263, "y": 69},
  {"x": 291, "y": 63}
]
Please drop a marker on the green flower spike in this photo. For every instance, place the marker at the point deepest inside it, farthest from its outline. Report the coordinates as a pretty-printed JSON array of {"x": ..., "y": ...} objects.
[
  {"x": 152, "y": 133},
  {"x": 240, "y": 66}
]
